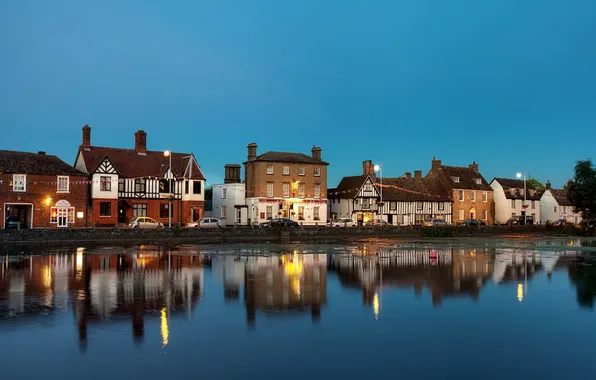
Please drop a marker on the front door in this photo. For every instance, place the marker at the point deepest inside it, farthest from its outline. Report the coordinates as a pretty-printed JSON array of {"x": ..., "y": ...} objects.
[
  {"x": 472, "y": 213},
  {"x": 62, "y": 217},
  {"x": 121, "y": 214}
]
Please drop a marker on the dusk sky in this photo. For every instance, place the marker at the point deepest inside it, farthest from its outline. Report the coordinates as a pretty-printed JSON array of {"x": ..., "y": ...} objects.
[{"x": 510, "y": 84}]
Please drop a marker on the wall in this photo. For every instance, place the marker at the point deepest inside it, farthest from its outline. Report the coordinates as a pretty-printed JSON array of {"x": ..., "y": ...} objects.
[
  {"x": 503, "y": 209},
  {"x": 257, "y": 178},
  {"x": 467, "y": 204},
  {"x": 257, "y": 206},
  {"x": 548, "y": 213},
  {"x": 342, "y": 207},
  {"x": 96, "y": 192},
  {"x": 234, "y": 196}
]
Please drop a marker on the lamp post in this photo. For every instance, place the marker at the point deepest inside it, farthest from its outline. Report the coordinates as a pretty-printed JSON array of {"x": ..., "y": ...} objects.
[
  {"x": 379, "y": 168},
  {"x": 519, "y": 175},
  {"x": 168, "y": 154}
]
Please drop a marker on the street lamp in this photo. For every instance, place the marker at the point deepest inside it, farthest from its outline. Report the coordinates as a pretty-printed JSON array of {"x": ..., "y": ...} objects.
[
  {"x": 519, "y": 175},
  {"x": 379, "y": 168},
  {"x": 167, "y": 153}
]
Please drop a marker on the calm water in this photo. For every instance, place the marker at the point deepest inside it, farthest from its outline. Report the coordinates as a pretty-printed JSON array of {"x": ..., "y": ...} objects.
[{"x": 498, "y": 309}]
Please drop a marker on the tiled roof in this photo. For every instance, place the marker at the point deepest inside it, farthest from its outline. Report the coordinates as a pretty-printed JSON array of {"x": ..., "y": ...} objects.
[
  {"x": 130, "y": 164},
  {"x": 297, "y": 158},
  {"x": 411, "y": 189},
  {"x": 347, "y": 188},
  {"x": 13, "y": 162},
  {"x": 467, "y": 178},
  {"x": 561, "y": 196},
  {"x": 514, "y": 189}
]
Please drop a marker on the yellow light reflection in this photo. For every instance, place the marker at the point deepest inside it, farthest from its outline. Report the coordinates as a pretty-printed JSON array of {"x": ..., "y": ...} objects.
[
  {"x": 165, "y": 332},
  {"x": 292, "y": 265},
  {"x": 296, "y": 285},
  {"x": 520, "y": 292},
  {"x": 47, "y": 278},
  {"x": 376, "y": 305}
]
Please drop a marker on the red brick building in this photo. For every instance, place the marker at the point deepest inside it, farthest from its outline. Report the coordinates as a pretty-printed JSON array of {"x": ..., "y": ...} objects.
[
  {"x": 126, "y": 183},
  {"x": 40, "y": 190}
]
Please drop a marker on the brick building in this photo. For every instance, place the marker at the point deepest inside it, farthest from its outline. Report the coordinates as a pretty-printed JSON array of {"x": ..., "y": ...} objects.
[
  {"x": 40, "y": 190},
  {"x": 472, "y": 195},
  {"x": 126, "y": 183},
  {"x": 287, "y": 185}
]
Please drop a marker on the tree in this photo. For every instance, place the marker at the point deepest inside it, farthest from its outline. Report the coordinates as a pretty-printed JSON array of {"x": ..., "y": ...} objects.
[
  {"x": 537, "y": 185},
  {"x": 582, "y": 192},
  {"x": 208, "y": 193}
]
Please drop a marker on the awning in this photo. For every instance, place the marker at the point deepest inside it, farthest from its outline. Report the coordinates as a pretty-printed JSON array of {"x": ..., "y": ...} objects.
[
  {"x": 123, "y": 203},
  {"x": 240, "y": 206}
]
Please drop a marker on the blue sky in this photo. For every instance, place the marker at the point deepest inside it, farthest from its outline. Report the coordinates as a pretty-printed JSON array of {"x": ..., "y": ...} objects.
[{"x": 509, "y": 84}]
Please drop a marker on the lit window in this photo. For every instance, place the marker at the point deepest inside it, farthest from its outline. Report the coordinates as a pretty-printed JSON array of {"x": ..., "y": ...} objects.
[
  {"x": 269, "y": 212},
  {"x": 301, "y": 190},
  {"x": 62, "y": 184},
  {"x": 19, "y": 182}
]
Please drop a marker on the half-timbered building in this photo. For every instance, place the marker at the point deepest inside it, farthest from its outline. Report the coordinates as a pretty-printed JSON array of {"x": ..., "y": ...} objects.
[
  {"x": 126, "y": 183},
  {"x": 399, "y": 201}
]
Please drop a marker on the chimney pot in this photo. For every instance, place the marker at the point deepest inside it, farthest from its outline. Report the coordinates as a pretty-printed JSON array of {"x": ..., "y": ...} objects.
[
  {"x": 232, "y": 173},
  {"x": 474, "y": 166},
  {"x": 316, "y": 153},
  {"x": 408, "y": 175},
  {"x": 252, "y": 151},
  {"x": 86, "y": 137},
  {"x": 436, "y": 164},
  {"x": 141, "y": 142},
  {"x": 418, "y": 174},
  {"x": 547, "y": 186},
  {"x": 41, "y": 152}
]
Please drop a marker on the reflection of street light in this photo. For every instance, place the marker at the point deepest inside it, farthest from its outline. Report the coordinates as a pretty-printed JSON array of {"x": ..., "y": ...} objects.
[
  {"x": 167, "y": 153},
  {"x": 519, "y": 175},
  {"x": 379, "y": 168}
]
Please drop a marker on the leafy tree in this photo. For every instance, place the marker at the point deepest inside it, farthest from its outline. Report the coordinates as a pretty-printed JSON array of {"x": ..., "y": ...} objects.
[
  {"x": 208, "y": 193},
  {"x": 582, "y": 192},
  {"x": 537, "y": 184}
]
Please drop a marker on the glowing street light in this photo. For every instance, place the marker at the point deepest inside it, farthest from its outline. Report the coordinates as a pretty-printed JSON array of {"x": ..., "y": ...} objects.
[
  {"x": 379, "y": 168},
  {"x": 520, "y": 175},
  {"x": 168, "y": 153}
]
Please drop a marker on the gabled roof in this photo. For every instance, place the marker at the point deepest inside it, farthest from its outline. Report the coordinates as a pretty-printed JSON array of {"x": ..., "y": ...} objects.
[
  {"x": 290, "y": 157},
  {"x": 130, "y": 164},
  {"x": 561, "y": 196},
  {"x": 514, "y": 189},
  {"x": 13, "y": 162},
  {"x": 411, "y": 189},
  {"x": 347, "y": 188},
  {"x": 467, "y": 178}
]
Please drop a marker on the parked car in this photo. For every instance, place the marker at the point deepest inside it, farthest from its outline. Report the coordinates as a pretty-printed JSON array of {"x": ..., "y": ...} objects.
[
  {"x": 343, "y": 222},
  {"x": 472, "y": 223},
  {"x": 518, "y": 220},
  {"x": 13, "y": 222},
  {"x": 282, "y": 222},
  {"x": 562, "y": 223},
  {"x": 207, "y": 223},
  {"x": 377, "y": 222},
  {"x": 435, "y": 222},
  {"x": 141, "y": 222}
]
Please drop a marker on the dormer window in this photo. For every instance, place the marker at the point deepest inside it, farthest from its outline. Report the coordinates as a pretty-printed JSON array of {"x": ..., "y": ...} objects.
[
  {"x": 478, "y": 181},
  {"x": 455, "y": 179}
]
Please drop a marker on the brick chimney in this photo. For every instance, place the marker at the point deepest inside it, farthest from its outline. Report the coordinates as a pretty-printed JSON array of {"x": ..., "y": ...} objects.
[
  {"x": 408, "y": 175},
  {"x": 141, "y": 142},
  {"x": 418, "y": 174},
  {"x": 547, "y": 186},
  {"x": 316, "y": 153},
  {"x": 87, "y": 137},
  {"x": 252, "y": 151},
  {"x": 474, "y": 166},
  {"x": 436, "y": 164},
  {"x": 232, "y": 173},
  {"x": 368, "y": 168}
]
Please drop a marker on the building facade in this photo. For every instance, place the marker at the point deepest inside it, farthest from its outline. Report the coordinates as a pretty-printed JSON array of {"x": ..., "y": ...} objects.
[
  {"x": 229, "y": 198},
  {"x": 286, "y": 185},
  {"x": 42, "y": 191},
  {"x": 510, "y": 200},
  {"x": 127, "y": 183},
  {"x": 472, "y": 196},
  {"x": 555, "y": 205}
]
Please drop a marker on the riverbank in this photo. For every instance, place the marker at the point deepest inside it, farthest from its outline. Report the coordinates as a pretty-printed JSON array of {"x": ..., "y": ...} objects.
[{"x": 247, "y": 234}]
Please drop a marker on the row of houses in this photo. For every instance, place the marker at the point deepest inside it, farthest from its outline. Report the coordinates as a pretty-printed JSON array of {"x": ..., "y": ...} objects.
[{"x": 109, "y": 186}]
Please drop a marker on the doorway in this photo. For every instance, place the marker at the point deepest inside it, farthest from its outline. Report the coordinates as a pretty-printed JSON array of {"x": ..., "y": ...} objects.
[
  {"x": 20, "y": 214},
  {"x": 473, "y": 213},
  {"x": 196, "y": 214},
  {"x": 62, "y": 217}
]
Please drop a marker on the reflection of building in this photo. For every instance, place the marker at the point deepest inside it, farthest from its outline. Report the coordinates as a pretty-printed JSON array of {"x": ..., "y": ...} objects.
[{"x": 290, "y": 282}]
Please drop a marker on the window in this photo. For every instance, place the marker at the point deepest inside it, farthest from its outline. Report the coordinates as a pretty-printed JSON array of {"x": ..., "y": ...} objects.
[
  {"x": 317, "y": 190},
  {"x": 62, "y": 184},
  {"x": 555, "y": 208},
  {"x": 286, "y": 190},
  {"x": 68, "y": 213},
  {"x": 533, "y": 205},
  {"x": 121, "y": 185},
  {"x": 441, "y": 206},
  {"x": 54, "y": 215},
  {"x": 164, "y": 185},
  {"x": 315, "y": 213},
  {"x": 224, "y": 212},
  {"x": 455, "y": 179},
  {"x": 301, "y": 170},
  {"x": 317, "y": 172},
  {"x": 419, "y": 205},
  {"x": 484, "y": 214},
  {"x": 478, "y": 181},
  {"x": 139, "y": 186},
  {"x": 365, "y": 203},
  {"x": 196, "y": 187},
  {"x": 286, "y": 170},
  {"x": 418, "y": 219},
  {"x": 300, "y": 212},
  {"x": 400, "y": 219},
  {"x": 105, "y": 209},
  {"x": 461, "y": 195},
  {"x": 163, "y": 210},
  {"x": 139, "y": 209},
  {"x": 269, "y": 212},
  {"x": 484, "y": 196},
  {"x": 301, "y": 190},
  {"x": 512, "y": 214},
  {"x": 461, "y": 215},
  {"x": 105, "y": 183},
  {"x": 186, "y": 187},
  {"x": 19, "y": 182},
  {"x": 513, "y": 203},
  {"x": 534, "y": 216},
  {"x": 224, "y": 193},
  {"x": 270, "y": 189},
  {"x": 393, "y": 206},
  {"x": 269, "y": 169},
  {"x": 473, "y": 196},
  {"x": 71, "y": 215}
]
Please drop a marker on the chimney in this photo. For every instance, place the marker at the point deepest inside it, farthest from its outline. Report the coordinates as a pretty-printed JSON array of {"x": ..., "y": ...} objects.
[
  {"x": 547, "y": 186},
  {"x": 41, "y": 152},
  {"x": 87, "y": 137},
  {"x": 316, "y": 153},
  {"x": 232, "y": 173},
  {"x": 474, "y": 166},
  {"x": 141, "y": 142},
  {"x": 368, "y": 168},
  {"x": 408, "y": 175},
  {"x": 436, "y": 164},
  {"x": 252, "y": 151},
  {"x": 418, "y": 174}
]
